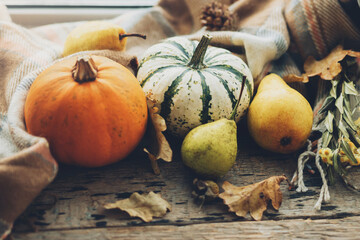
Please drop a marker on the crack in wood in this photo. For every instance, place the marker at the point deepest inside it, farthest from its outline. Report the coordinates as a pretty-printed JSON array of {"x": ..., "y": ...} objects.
[
  {"x": 156, "y": 184},
  {"x": 100, "y": 194},
  {"x": 302, "y": 194},
  {"x": 328, "y": 208},
  {"x": 101, "y": 224},
  {"x": 98, "y": 216},
  {"x": 207, "y": 219},
  {"x": 41, "y": 223},
  {"x": 126, "y": 194},
  {"x": 77, "y": 188},
  {"x": 64, "y": 198}
]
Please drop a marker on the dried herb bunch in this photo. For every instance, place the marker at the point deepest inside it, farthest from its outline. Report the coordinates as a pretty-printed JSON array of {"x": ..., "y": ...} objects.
[
  {"x": 340, "y": 142},
  {"x": 337, "y": 147}
]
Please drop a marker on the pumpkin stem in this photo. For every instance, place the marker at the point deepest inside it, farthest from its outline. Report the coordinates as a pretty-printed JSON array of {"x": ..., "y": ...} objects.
[
  {"x": 122, "y": 36},
  {"x": 234, "y": 111},
  {"x": 197, "y": 59},
  {"x": 84, "y": 70}
]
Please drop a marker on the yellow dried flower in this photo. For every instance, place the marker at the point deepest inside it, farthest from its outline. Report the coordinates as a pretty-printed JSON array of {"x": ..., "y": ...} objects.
[{"x": 326, "y": 155}]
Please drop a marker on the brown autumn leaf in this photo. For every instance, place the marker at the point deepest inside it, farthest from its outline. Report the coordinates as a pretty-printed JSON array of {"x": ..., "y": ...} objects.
[
  {"x": 327, "y": 68},
  {"x": 156, "y": 145},
  {"x": 253, "y": 198},
  {"x": 145, "y": 206}
]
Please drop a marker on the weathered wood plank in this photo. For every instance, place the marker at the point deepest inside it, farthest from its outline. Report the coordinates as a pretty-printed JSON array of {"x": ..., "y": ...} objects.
[
  {"x": 346, "y": 228},
  {"x": 75, "y": 199}
]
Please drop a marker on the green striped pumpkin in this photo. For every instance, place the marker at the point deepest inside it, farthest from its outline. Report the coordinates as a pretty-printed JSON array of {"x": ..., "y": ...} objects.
[{"x": 193, "y": 84}]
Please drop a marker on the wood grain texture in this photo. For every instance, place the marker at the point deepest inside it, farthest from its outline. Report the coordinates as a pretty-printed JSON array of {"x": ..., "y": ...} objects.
[
  {"x": 72, "y": 204},
  {"x": 283, "y": 229}
]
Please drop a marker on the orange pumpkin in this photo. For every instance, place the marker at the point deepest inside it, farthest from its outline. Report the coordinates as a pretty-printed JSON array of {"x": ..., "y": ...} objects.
[{"x": 92, "y": 110}]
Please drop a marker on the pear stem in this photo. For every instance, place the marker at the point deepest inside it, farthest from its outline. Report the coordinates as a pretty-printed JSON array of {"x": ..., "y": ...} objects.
[
  {"x": 122, "y": 36},
  {"x": 197, "y": 59},
  {"x": 234, "y": 111}
]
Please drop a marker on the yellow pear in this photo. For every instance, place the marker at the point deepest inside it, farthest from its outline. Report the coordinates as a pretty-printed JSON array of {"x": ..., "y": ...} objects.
[
  {"x": 96, "y": 35},
  {"x": 279, "y": 118}
]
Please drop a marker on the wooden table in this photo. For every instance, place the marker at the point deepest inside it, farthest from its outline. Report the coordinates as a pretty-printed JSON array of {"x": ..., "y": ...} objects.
[{"x": 72, "y": 206}]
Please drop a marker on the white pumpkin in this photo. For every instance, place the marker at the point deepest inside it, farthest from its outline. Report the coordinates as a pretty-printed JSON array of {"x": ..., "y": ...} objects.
[{"x": 193, "y": 84}]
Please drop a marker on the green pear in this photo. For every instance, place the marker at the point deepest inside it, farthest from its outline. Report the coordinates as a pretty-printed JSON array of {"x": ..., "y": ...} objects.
[{"x": 210, "y": 149}]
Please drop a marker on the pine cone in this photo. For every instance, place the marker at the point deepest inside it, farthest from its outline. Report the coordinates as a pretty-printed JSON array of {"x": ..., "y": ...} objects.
[{"x": 216, "y": 16}]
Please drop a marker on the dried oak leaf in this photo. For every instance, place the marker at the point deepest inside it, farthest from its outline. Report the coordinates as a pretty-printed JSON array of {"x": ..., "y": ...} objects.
[
  {"x": 156, "y": 145},
  {"x": 253, "y": 198},
  {"x": 144, "y": 206},
  {"x": 327, "y": 68}
]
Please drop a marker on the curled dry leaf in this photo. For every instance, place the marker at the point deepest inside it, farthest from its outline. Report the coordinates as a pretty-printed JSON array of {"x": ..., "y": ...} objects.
[
  {"x": 253, "y": 198},
  {"x": 156, "y": 145},
  {"x": 205, "y": 190},
  {"x": 327, "y": 68},
  {"x": 144, "y": 206}
]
